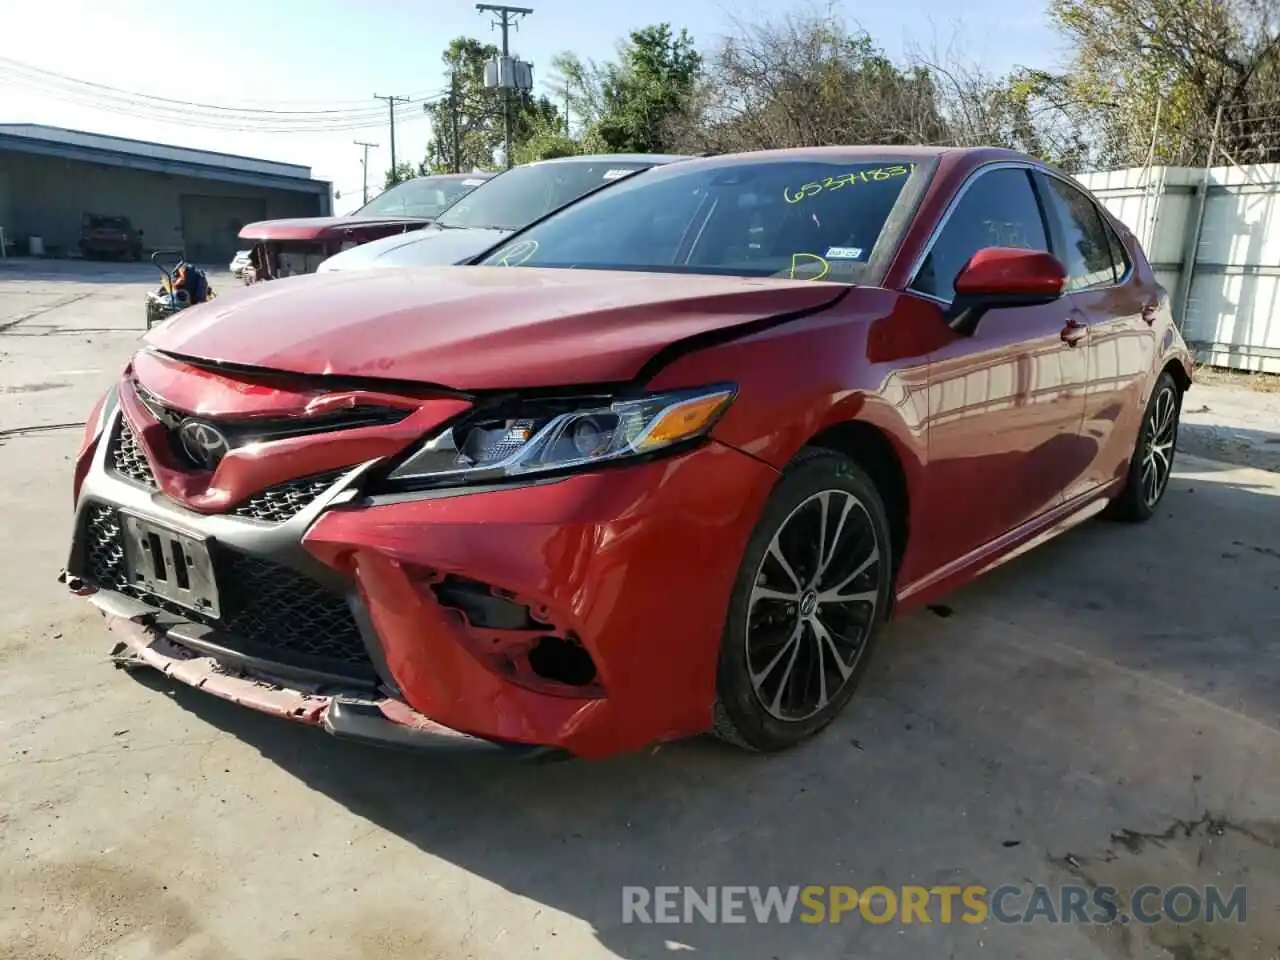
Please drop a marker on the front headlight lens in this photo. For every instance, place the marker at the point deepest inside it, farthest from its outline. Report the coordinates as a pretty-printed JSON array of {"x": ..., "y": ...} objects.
[{"x": 545, "y": 436}]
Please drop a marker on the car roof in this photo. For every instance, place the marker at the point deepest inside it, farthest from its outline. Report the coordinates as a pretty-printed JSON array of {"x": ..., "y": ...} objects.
[
  {"x": 951, "y": 156},
  {"x": 483, "y": 174},
  {"x": 653, "y": 159}
]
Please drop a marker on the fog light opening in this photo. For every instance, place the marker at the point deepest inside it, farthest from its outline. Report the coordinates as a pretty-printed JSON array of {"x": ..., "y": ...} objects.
[{"x": 562, "y": 661}]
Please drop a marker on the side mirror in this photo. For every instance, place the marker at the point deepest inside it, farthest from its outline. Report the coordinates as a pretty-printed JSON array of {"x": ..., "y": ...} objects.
[{"x": 998, "y": 277}]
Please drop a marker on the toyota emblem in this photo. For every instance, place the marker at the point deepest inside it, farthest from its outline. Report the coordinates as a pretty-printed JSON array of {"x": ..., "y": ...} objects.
[{"x": 202, "y": 442}]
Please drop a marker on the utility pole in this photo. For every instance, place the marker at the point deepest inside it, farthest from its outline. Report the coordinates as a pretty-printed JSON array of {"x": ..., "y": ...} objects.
[
  {"x": 453, "y": 120},
  {"x": 391, "y": 106},
  {"x": 504, "y": 18},
  {"x": 364, "y": 167}
]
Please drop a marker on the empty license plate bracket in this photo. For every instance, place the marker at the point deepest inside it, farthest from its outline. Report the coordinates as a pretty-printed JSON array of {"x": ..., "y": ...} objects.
[{"x": 170, "y": 563}]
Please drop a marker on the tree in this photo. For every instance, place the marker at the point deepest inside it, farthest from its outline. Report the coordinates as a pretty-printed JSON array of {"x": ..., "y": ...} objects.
[
  {"x": 579, "y": 84},
  {"x": 467, "y": 123},
  {"x": 401, "y": 173},
  {"x": 626, "y": 106},
  {"x": 1188, "y": 59},
  {"x": 802, "y": 80},
  {"x": 544, "y": 141},
  {"x": 1012, "y": 111}
]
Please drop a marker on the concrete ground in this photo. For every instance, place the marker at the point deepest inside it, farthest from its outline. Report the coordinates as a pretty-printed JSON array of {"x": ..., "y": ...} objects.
[{"x": 1104, "y": 710}]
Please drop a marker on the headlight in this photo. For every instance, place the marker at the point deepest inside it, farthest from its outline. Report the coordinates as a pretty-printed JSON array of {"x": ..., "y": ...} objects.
[{"x": 552, "y": 436}]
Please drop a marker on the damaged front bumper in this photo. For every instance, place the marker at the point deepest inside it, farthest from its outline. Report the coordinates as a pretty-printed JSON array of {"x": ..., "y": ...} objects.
[{"x": 144, "y": 641}]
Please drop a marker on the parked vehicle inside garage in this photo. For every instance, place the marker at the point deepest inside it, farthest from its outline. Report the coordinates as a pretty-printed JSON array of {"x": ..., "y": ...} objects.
[
  {"x": 661, "y": 464},
  {"x": 282, "y": 248},
  {"x": 493, "y": 211},
  {"x": 109, "y": 237}
]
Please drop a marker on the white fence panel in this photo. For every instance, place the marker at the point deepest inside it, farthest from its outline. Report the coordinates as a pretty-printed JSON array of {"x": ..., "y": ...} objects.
[{"x": 1229, "y": 313}]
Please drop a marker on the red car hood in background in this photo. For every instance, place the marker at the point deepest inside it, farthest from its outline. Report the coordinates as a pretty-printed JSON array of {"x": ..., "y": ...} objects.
[
  {"x": 475, "y": 328},
  {"x": 320, "y": 228}
]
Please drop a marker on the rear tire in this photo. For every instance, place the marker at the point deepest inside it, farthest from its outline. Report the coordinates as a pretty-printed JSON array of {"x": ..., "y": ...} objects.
[
  {"x": 811, "y": 595},
  {"x": 1151, "y": 464}
]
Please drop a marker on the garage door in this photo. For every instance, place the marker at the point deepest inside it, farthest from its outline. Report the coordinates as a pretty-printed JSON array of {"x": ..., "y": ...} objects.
[{"x": 210, "y": 225}]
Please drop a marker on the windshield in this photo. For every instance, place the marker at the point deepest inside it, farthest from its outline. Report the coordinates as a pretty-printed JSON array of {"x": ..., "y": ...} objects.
[
  {"x": 423, "y": 197},
  {"x": 95, "y": 222},
  {"x": 803, "y": 219},
  {"x": 524, "y": 194}
]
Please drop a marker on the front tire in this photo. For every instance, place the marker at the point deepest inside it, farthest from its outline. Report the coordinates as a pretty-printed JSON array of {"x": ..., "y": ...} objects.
[
  {"x": 811, "y": 594},
  {"x": 1152, "y": 462}
]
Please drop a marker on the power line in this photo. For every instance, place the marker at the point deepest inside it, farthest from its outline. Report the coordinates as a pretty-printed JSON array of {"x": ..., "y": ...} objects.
[
  {"x": 330, "y": 109},
  {"x": 191, "y": 113},
  {"x": 242, "y": 124}
]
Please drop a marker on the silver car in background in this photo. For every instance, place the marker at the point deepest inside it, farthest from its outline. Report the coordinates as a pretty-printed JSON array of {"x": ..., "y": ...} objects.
[{"x": 496, "y": 209}]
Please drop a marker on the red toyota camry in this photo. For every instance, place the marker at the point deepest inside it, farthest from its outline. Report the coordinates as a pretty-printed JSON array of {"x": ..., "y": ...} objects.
[{"x": 661, "y": 464}]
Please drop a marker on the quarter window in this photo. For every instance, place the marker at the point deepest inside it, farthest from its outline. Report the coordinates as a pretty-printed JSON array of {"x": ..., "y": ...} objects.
[
  {"x": 1119, "y": 259},
  {"x": 1088, "y": 254},
  {"x": 998, "y": 209}
]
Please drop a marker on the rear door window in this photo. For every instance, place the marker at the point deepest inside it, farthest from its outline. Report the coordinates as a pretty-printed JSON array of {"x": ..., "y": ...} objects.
[{"x": 1088, "y": 254}]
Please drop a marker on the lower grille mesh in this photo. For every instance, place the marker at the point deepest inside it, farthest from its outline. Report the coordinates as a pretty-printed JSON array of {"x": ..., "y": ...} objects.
[
  {"x": 267, "y": 609},
  {"x": 286, "y": 500}
]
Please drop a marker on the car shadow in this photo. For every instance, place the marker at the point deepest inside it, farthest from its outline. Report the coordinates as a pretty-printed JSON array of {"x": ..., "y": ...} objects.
[
  {"x": 1236, "y": 445},
  {"x": 1045, "y": 681}
]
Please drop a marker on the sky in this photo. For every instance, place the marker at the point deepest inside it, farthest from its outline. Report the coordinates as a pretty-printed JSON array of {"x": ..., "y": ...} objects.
[{"x": 336, "y": 54}]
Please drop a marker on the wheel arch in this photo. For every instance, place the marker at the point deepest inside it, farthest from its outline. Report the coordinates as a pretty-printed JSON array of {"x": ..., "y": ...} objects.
[
  {"x": 873, "y": 449},
  {"x": 1176, "y": 369}
]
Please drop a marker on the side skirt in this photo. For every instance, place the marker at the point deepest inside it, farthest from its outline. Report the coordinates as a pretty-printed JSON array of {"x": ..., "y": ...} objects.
[{"x": 1001, "y": 550}]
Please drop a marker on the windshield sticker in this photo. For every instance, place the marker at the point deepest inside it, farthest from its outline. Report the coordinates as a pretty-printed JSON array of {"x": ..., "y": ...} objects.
[
  {"x": 518, "y": 253},
  {"x": 846, "y": 179},
  {"x": 844, "y": 253},
  {"x": 472, "y": 183},
  {"x": 614, "y": 174},
  {"x": 807, "y": 261}
]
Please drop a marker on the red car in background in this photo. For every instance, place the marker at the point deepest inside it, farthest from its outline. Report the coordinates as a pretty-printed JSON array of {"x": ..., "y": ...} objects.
[
  {"x": 662, "y": 464},
  {"x": 282, "y": 248}
]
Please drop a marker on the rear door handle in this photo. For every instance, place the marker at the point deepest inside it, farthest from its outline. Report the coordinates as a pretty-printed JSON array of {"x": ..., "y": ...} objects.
[
  {"x": 1149, "y": 313},
  {"x": 1074, "y": 332}
]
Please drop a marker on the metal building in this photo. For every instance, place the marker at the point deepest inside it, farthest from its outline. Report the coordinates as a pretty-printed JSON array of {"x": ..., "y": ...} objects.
[{"x": 196, "y": 200}]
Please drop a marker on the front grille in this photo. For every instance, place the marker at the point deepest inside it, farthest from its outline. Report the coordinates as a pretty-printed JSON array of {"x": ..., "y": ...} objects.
[
  {"x": 286, "y": 500},
  {"x": 268, "y": 610},
  {"x": 126, "y": 457},
  {"x": 272, "y": 505}
]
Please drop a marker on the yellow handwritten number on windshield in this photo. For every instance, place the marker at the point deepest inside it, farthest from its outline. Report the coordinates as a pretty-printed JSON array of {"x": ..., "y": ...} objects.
[
  {"x": 816, "y": 187},
  {"x": 800, "y": 261}
]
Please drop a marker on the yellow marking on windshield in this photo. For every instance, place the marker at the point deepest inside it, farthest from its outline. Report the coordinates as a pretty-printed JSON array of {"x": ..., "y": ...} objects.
[
  {"x": 810, "y": 259},
  {"x": 815, "y": 187},
  {"x": 518, "y": 253}
]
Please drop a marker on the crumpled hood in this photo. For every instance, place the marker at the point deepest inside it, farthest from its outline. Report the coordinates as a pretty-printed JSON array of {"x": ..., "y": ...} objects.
[
  {"x": 323, "y": 228},
  {"x": 429, "y": 247},
  {"x": 475, "y": 328}
]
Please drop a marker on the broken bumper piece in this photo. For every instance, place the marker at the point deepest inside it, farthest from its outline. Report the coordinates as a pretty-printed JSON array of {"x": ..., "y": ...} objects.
[{"x": 382, "y": 721}]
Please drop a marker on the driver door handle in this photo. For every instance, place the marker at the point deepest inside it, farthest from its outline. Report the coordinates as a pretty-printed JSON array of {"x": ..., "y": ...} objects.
[{"x": 1074, "y": 332}]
